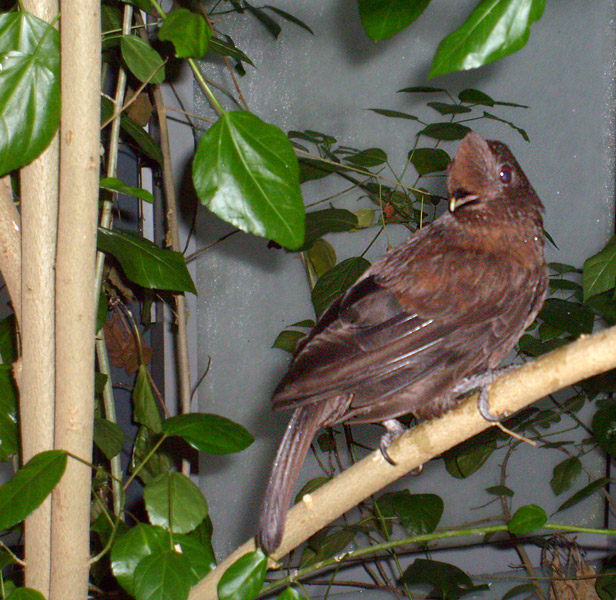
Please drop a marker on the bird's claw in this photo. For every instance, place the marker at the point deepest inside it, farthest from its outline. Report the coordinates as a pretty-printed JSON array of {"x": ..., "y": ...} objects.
[{"x": 394, "y": 430}]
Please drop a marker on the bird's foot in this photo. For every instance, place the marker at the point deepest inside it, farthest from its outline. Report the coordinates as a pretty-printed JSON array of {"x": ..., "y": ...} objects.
[
  {"x": 394, "y": 430},
  {"x": 482, "y": 382}
]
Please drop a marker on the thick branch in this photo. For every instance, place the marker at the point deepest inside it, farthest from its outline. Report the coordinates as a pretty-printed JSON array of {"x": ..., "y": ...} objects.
[{"x": 511, "y": 392}]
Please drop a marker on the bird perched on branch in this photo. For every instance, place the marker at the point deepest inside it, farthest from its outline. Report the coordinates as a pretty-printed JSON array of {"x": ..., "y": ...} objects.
[{"x": 424, "y": 323}]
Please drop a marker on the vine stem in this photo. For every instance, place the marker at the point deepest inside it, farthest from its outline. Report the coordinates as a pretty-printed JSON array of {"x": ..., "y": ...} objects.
[{"x": 512, "y": 391}]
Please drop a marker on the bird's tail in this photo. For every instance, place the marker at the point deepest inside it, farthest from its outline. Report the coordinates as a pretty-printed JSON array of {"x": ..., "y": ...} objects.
[{"x": 289, "y": 459}]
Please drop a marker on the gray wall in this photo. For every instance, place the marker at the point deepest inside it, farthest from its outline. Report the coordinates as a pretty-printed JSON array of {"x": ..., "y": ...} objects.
[{"x": 248, "y": 293}]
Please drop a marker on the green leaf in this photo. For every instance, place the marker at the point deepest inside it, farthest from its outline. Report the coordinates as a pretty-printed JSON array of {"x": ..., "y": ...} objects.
[
  {"x": 322, "y": 256},
  {"x": 29, "y": 88},
  {"x": 394, "y": 114},
  {"x": 27, "y": 489},
  {"x": 328, "y": 220},
  {"x": 470, "y": 96},
  {"x": 270, "y": 24},
  {"x": 584, "y": 493},
  {"x": 419, "y": 513},
  {"x": 600, "y": 271},
  {"x": 157, "y": 463},
  {"x": 526, "y": 519},
  {"x": 144, "y": 5},
  {"x": 568, "y": 316},
  {"x": 311, "y": 169},
  {"x": 500, "y": 490},
  {"x": 445, "y": 131},
  {"x": 310, "y": 486},
  {"x": 245, "y": 171},
  {"x": 8, "y": 340},
  {"x": 174, "y": 502},
  {"x": 115, "y": 185},
  {"x": 244, "y": 579},
  {"x": 531, "y": 346},
  {"x": 365, "y": 217},
  {"x": 605, "y": 305},
  {"x": 565, "y": 474},
  {"x": 429, "y": 160},
  {"x": 228, "y": 49},
  {"x": 449, "y": 109},
  {"x": 521, "y": 131},
  {"x": 290, "y": 594},
  {"x": 382, "y": 20},
  {"x": 209, "y": 433},
  {"x": 525, "y": 588},
  {"x": 200, "y": 556},
  {"x": 289, "y": 17},
  {"x": 24, "y": 593},
  {"x": 604, "y": 428},
  {"x": 187, "y": 31},
  {"x": 562, "y": 268},
  {"x": 146, "y": 410},
  {"x": 108, "y": 436},
  {"x": 145, "y": 263},
  {"x": 138, "y": 134},
  {"x": 420, "y": 89},
  {"x": 143, "y": 61},
  {"x": 9, "y": 430},
  {"x": 337, "y": 280},
  {"x": 322, "y": 546},
  {"x": 495, "y": 28},
  {"x": 469, "y": 456},
  {"x": 287, "y": 340},
  {"x": 452, "y": 582},
  {"x": 131, "y": 548},
  {"x": 372, "y": 157},
  {"x": 164, "y": 575}
]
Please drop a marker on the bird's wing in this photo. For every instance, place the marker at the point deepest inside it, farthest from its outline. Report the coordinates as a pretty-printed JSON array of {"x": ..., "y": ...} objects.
[{"x": 375, "y": 341}]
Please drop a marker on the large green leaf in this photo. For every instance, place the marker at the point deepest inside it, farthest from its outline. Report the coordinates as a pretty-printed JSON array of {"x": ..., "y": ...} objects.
[
  {"x": 209, "y": 433},
  {"x": 328, "y": 220},
  {"x": 29, "y": 88},
  {"x": 130, "y": 548},
  {"x": 337, "y": 280},
  {"x": 526, "y": 519},
  {"x": 9, "y": 431},
  {"x": 200, "y": 556},
  {"x": 108, "y": 436},
  {"x": 174, "y": 502},
  {"x": 145, "y": 263},
  {"x": 451, "y": 581},
  {"x": 419, "y": 513},
  {"x": 246, "y": 172},
  {"x": 429, "y": 160},
  {"x": 604, "y": 428},
  {"x": 565, "y": 473},
  {"x": 27, "y": 489},
  {"x": 496, "y": 28},
  {"x": 244, "y": 579},
  {"x": 145, "y": 408},
  {"x": 445, "y": 131},
  {"x": 384, "y": 18},
  {"x": 187, "y": 31},
  {"x": 600, "y": 271},
  {"x": 143, "y": 61},
  {"x": 24, "y": 593},
  {"x": 163, "y": 575},
  {"x": 568, "y": 316}
]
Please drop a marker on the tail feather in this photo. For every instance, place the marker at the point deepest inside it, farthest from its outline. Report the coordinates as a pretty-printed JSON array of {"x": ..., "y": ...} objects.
[{"x": 289, "y": 459}]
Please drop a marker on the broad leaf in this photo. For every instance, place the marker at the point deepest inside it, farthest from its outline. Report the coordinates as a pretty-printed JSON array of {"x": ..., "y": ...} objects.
[
  {"x": 467, "y": 457},
  {"x": 143, "y": 61},
  {"x": 157, "y": 463},
  {"x": 471, "y": 96},
  {"x": 372, "y": 157},
  {"x": 322, "y": 256},
  {"x": 244, "y": 579},
  {"x": 526, "y": 519},
  {"x": 429, "y": 160},
  {"x": 9, "y": 430},
  {"x": 146, "y": 409},
  {"x": 445, "y": 131},
  {"x": 27, "y": 489},
  {"x": 130, "y": 548},
  {"x": 209, "y": 433},
  {"x": 584, "y": 493},
  {"x": 323, "y": 546},
  {"x": 108, "y": 436},
  {"x": 336, "y": 281},
  {"x": 449, "y": 109},
  {"x": 287, "y": 340},
  {"x": 245, "y": 171},
  {"x": 115, "y": 185},
  {"x": 565, "y": 474},
  {"x": 29, "y": 88},
  {"x": 174, "y": 502},
  {"x": 200, "y": 556},
  {"x": 328, "y": 220},
  {"x": 24, "y": 593},
  {"x": 145, "y": 263},
  {"x": 187, "y": 31},
  {"x": 572, "y": 317},
  {"x": 600, "y": 271},
  {"x": 452, "y": 582},
  {"x": 604, "y": 429},
  {"x": 382, "y": 20},
  {"x": 419, "y": 513},
  {"x": 495, "y": 28},
  {"x": 163, "y": 575}
]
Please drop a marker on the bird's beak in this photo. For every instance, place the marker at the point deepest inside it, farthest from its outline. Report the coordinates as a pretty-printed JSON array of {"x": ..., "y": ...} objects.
[{"x": 457, "y": 201}]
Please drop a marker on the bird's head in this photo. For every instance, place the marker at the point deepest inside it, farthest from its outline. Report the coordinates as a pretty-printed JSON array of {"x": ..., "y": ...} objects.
[{"x": 484, "y": 171}]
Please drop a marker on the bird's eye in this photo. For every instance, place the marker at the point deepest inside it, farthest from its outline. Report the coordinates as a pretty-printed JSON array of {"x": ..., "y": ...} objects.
[{"x": 506, "y": 174}]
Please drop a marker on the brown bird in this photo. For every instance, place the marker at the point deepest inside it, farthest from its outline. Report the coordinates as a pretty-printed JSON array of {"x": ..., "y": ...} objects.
[{"x": 424, "y": 323}]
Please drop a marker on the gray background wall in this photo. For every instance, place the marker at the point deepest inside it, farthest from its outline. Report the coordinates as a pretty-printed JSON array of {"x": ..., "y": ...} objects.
[{"x": 248, "y": 293}]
